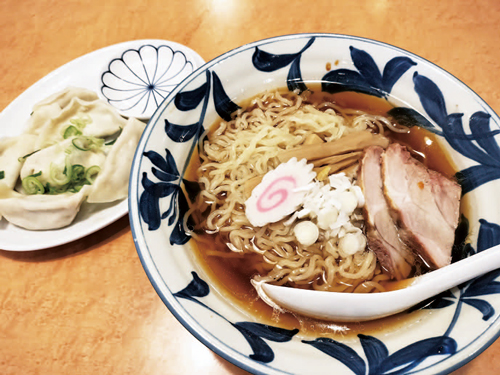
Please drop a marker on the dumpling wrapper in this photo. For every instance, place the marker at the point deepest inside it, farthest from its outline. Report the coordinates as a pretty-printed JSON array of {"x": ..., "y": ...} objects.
[
  {"x": 52, "y": 107},
  {"x": 112, "y": 182},
  {"x": 40, "y": 212},
  {"x": 104, "y": 121},
  {"x": 11, "y": 149},
  {"x": 39, "y": 118},
  {"x": 64, "y": 97},
  {"x": 56, "y": 155}
]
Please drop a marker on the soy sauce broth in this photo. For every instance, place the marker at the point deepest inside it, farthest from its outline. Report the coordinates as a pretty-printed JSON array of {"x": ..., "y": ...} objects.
[{"x": 231, "y": 274}]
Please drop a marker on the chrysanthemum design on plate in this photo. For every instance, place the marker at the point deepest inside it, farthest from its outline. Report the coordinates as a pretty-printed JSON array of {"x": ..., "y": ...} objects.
[
  {"x": 138, "y": 81},
  {"x": 163, "y": 182}
]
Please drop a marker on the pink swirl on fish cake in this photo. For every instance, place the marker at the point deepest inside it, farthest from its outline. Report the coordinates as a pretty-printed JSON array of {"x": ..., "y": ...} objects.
[{"x": 282, "y": 192}]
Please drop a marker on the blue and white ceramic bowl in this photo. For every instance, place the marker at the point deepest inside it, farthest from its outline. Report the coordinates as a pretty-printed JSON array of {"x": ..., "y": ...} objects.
[{"x": 447, "y": 333}]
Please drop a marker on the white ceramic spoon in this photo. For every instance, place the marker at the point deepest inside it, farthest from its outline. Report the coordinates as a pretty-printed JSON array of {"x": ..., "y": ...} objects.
[{"x": 355, "y": 307}]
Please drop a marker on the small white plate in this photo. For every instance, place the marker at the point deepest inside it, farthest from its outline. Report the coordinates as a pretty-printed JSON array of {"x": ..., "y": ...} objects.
[{"x": 86, "y": 72}]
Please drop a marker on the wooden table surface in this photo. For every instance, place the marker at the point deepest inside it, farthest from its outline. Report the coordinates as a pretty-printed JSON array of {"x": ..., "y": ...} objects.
[{"x": 87, "y": 307}]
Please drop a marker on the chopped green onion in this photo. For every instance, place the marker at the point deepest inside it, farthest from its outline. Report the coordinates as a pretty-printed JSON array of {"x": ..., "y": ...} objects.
[
  {"x": 22, "y": 158},
  {"x": 53, "y": 190},
  {"x": 61, "y": 177},
  {"x": 71, "y": 131},
  {"x": 77, "y": 173},
  {"x": 84, "y": 143},
  {"x": 92, "y": 173},
  {"x": 31, "y": 185},
  {"x": 2, "y": 175},
  {"x": 81, "y": 122},
  {"x": 112, "y": 142}
]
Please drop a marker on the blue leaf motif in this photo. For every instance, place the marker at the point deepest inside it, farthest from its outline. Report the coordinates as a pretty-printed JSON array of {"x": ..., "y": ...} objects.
[
  {"x": 340, "y": 352},
  {"x": 223, "y": 105},
  {"x": 166, "y": 165},
  {"x": 167, "y": 177},
  {"x": 341, "y": 80},
  {"x": 196, "y": 288},
  {"x": 486, "y": 155},
  {"x": 489, "y": 235},
  {"x": 475, "y": 176},
  {"x": 484, "y": 285},
  {"x": 149, "y": 209},
  {"x": 268, "y": 332},
  {"x": 158, "y": 190},
  {"x": 415, "y": 353},
  {"x": 409, "y": 117},
  {"x": 375, "y": 352},
  {"x": 179, "y": 235},
  {"x": 189, "y": 100},
  {"x": 480, "y": 128},
  {"x": 442, "y": 300},
  {"x": 393, "y": 71},
  {"x": 254, "y": 334},
  {"x": 455, "y": 135},
  {"x": 170, "y": 211},
  {"x": 269, "y": 62},
  {"x": 431, "y": 97},
  {"x": 366, "y": 67},
  {"x": 168, "y": 170},
  {"x": 181, "y": 133},
  {"x": 367, "y": 79},
  {"x": 149, "y": 202},
  {"x": 294, "y": 80},
  {"x": 261, "y": 351},
  {"x": 484, "y": 307}
]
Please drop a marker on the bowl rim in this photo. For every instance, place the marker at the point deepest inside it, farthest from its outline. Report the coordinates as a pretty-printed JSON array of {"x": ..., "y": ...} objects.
[{"x": 197, "y": 330}]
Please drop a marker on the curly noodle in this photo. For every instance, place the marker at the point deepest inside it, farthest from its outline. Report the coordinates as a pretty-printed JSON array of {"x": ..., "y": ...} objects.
[{"x": 246, "y": 147}]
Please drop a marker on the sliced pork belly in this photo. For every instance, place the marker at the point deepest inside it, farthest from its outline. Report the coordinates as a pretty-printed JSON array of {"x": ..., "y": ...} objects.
[
  {"x": 425, "y": 205},
  {"x": 381, "y": 232}
]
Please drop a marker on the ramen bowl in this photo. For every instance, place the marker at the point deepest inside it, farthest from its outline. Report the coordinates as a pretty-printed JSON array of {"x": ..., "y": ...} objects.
[{"x": 435, "y": 337}]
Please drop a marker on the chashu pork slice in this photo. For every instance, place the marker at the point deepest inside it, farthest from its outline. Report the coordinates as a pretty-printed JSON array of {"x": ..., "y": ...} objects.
[
  {"x": 425, "y": 205},
  {"x": 382, "y": 234}
]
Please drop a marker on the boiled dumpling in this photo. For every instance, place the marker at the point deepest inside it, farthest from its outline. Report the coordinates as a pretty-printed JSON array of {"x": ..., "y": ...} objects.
[
  {"x": 11, "y": 150},
  {"x": 112, "y": 182},
  {"x": 52, "y": 106},
  {"x": 54, "y": 159},
  {"x": 75, "y": 146},
  {"x": 41, "y": 117},
  {"x": 63, "y": 97},
  {"x": 96, "y": 119},
  {"x": 40, "y": 212}
]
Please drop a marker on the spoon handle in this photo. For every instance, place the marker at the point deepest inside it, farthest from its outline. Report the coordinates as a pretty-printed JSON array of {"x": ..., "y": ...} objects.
[{"x": 461, "y": 271}]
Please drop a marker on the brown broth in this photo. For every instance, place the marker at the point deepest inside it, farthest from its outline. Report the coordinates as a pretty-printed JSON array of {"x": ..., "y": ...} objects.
[{"x": 231, "y": 275}]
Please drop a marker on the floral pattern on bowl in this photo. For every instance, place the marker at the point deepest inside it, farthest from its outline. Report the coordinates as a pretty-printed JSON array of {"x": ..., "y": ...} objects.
[
  {"x": 139, "y": 80},
  {"x": 462, "y": 322}
]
